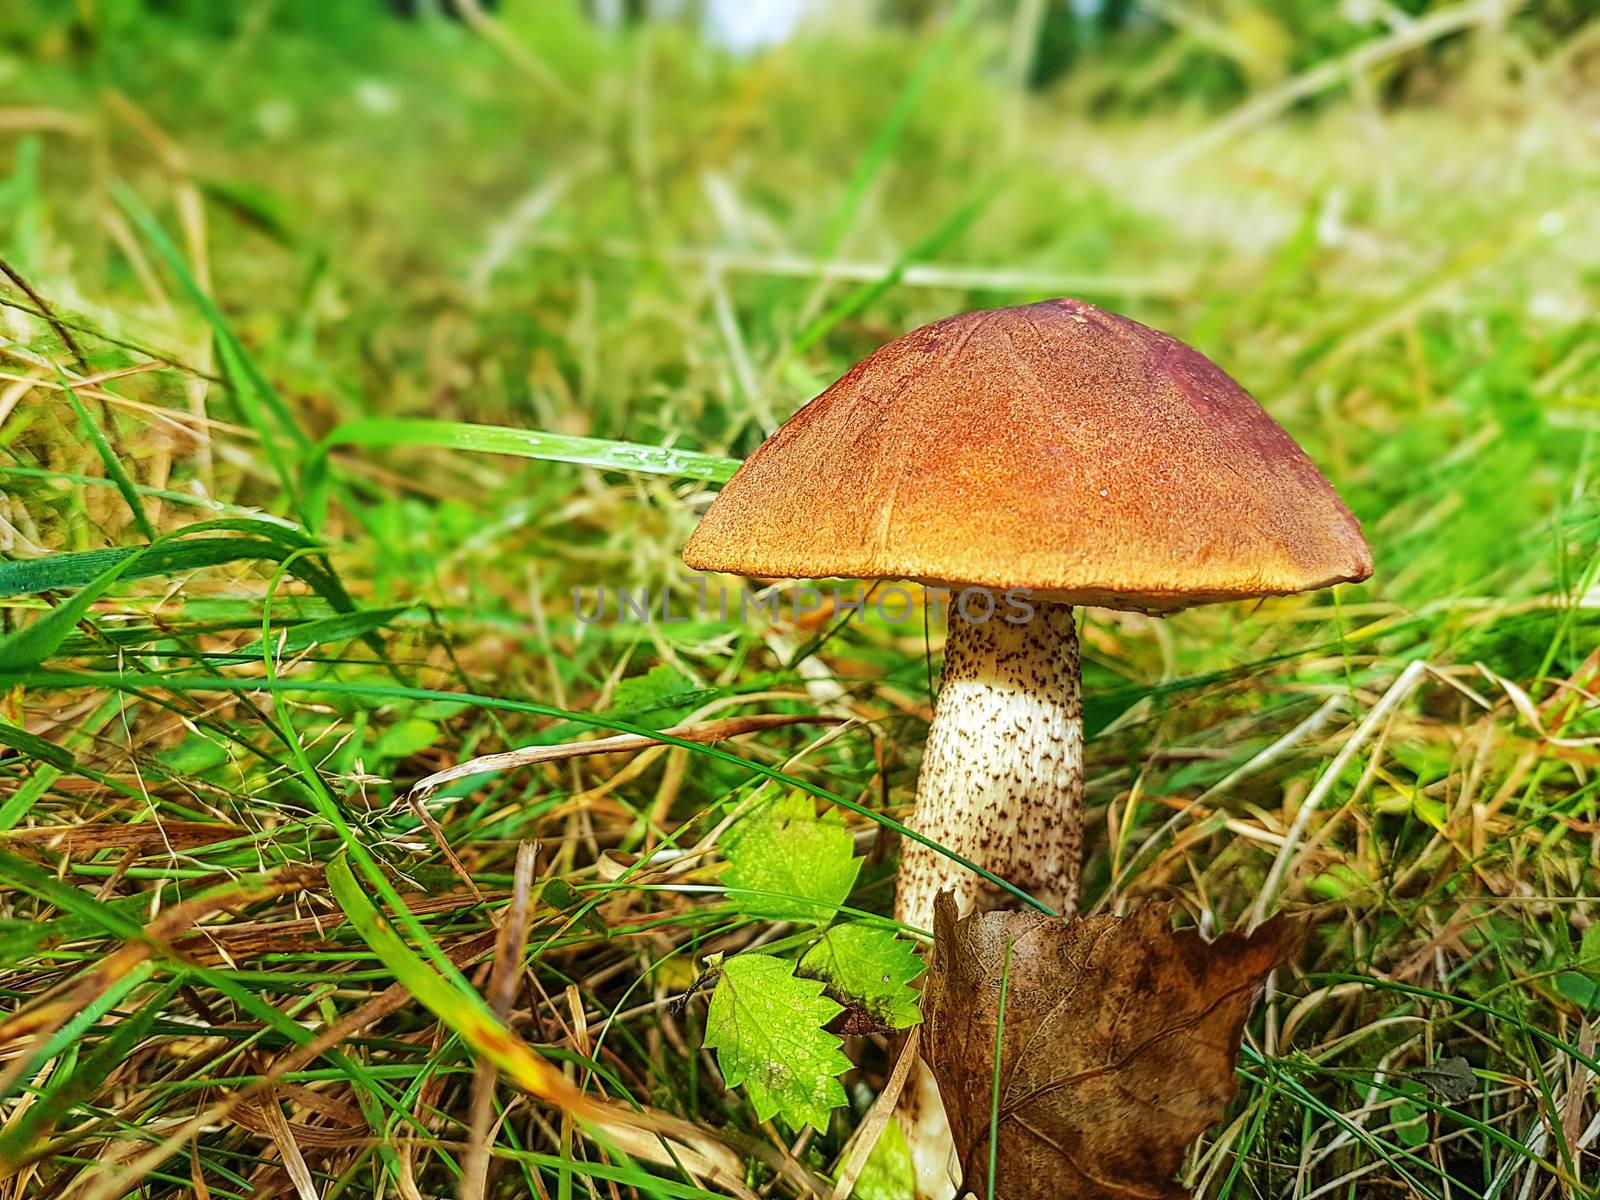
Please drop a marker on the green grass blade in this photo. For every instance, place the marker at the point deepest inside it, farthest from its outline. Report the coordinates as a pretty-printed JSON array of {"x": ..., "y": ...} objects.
[
  {"x": 994, "y": 1087},
  {"x": 33, "y": 643},
  {"x": 386, "y": 433},
  {"x": 24, "y": 577},
  {"x": 112, "y": 463},
  {"x": 169, "y": 555},
  {"x": 451, "y": 1000},
  {"x": 952, "y": 228},
  {"x": 168, "y": 495},
  {"x": 263, "y": 540},
  {"x": 883, "y": 143},
  {"x": 325, "y": 630},
  {"x": 147, "y": 224},
  {"x": 45, "y": 773},
  {"x": 252, "y": 387},
  {"x": 370, "y": 1093},
  {"x": 33, "y": 746},
  {"x": 79, "y": 1024},
  {"x": 246, "y": 393},
  {"x": 20, "y": 1137}
]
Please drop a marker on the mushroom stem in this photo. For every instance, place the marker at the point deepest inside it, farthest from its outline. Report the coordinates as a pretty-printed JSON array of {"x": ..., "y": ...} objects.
[
  {"x": 1002, "y": 775},
  {"x": 1002, "y": 786}
]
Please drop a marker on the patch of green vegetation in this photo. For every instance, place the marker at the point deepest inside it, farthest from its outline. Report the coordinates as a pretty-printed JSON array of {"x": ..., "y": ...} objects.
[{"x": 365, "y": 341}]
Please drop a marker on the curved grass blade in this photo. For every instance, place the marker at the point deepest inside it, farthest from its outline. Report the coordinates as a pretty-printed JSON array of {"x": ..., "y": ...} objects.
[
  {"x": 860, "y": 297},
  {"x": 29, "y": 646},
  {"x": 458, "y": 1006},
  {"x": 385, "y": 433},
  {"x": 89, "y": 1076},
  {"x": 263, "y": 540},
  {"x": 251, "y": 385},
  {"x": 324, "y": 630},
  {"x": 168, "y": 495},
  {"x": 883, "y": 143},
  {"x": 33, "y": 746},
  {"x": 165, "y": 556},
  {"x": 25, "y": 577},
  {"x": 113, "y": 464},
  {"x": 24, "y": 876}
]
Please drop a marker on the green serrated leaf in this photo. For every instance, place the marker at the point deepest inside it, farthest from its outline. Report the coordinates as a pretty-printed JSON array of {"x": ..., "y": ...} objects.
[
  {"x": 766, "y": 1026},
  {"x": 784, "y": 864},
  {"x": 869, "y": 965}
]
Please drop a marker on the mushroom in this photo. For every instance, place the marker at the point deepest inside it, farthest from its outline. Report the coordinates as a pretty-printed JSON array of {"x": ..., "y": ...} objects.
[{"x": 1029, "y": 459}]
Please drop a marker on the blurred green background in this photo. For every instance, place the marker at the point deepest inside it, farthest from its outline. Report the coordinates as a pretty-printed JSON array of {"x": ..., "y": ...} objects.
[{"x": 240, "y": 229}]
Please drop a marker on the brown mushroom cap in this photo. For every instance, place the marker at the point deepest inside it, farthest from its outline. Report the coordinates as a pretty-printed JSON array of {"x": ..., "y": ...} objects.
[{"x": 1055, "y": 447}]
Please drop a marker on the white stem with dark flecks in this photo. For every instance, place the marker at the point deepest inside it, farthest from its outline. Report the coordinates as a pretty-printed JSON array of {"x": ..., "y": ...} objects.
[
  {"x": 1002, "y": 786},
  {"x": 1002, "y": 774}
]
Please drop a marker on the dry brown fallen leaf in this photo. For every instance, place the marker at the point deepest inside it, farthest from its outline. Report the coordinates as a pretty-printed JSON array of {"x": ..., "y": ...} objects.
[{"x": 1120, "y": 1035}]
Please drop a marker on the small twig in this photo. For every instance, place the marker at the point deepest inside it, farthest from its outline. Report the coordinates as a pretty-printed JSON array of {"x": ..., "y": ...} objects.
[
  {"x": 878, "y": 1117},
  {"x": 699, "y": 732},
  {"x": 508, "y": 950},
  {"x": 46, "y": 311}
]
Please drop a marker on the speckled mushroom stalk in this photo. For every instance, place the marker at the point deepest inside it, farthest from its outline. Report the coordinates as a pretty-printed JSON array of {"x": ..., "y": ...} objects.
[
  {"x": 1002, "y": 786},
  {"x": 1002, "y": 774}
]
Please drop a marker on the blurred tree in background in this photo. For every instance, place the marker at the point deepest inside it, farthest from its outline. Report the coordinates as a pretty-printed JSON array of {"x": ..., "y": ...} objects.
[{"x": 1133, "y": 54}]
